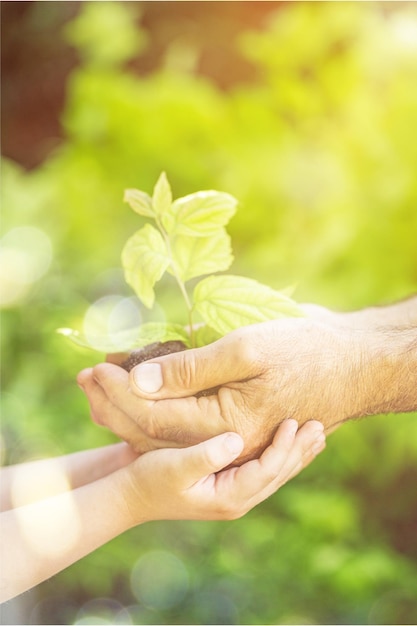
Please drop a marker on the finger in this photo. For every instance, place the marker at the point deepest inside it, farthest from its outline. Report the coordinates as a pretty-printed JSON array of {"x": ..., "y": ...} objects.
[
  {"x": 104, "y": 413},
  {"x": 88, "y": 385},
  {"x": 309, "y": 441},
  {"x": 84, "y": 376},
  {"x": 173, "y": 423},
  {"x": 317, "y": 446},
  {"x": 209, "y": 457},
  {"x": 260, "y": 478},
  {"x": 308, "y": 457},
  {"x": 185, "y": 421},
  {"x": 275, "y": 456},
  {"x": 232, "y": 358},
  {"x": 257, "y": 475},
  {"x": 96, "y": 397},
  {"x": 114, "y": 380}
]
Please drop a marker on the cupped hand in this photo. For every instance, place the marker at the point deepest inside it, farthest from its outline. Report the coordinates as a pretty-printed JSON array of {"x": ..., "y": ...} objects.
[
  {"x": 191, "y": 483},
  {"x": 265, "y": 373}
]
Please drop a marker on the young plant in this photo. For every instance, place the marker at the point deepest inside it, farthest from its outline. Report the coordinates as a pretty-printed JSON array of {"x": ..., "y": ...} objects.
[{"x": 186, "y": 238}]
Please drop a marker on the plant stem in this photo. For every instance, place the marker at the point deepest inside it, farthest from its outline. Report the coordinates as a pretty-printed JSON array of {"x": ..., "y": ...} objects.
[
  {"x": 189, "y": 307},
  {"x": 181, "y": 284}
]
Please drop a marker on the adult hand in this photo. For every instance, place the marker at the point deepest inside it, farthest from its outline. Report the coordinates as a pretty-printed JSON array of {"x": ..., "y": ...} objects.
[
  {"x": 329, "y": 366},
  {"x": 266, "y": 373}
]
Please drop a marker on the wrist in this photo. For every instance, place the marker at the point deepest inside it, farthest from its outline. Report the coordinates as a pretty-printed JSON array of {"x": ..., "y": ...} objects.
[
  {"x": 402, "y": 314},
  {"x": 132, "y": 502},
  {"x": 386, "y": 370},
  {"x": 126, "y": 455}
]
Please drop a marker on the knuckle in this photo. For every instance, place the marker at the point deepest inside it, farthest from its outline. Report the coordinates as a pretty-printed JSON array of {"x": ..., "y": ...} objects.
[
  {"x": 246, "y": 350},
  {"x": 178, "y": 435},
  {"x": 155, "y": 430},
  {"x": 150, "y": 426},
  {"x": 185, "y": 369},
  {"x": 243, "y": 347}
]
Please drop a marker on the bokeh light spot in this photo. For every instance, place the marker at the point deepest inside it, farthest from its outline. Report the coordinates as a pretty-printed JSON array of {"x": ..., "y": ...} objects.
[
  {"x": 111, "y": 323},
  {"x": 159, "y": 580},
  {"x": 404, "y": 27},
  {"x": 103, "y": 611},
  {"x": 25, "y": 256},
  {"x": 52, "y": 528}
]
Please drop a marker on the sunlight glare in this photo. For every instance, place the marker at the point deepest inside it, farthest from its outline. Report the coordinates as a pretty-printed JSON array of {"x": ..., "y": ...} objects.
[
  {"x": 110, "y": 324},
  {"x": 404, "y": 29},
  {"x": 53, "y": 527},
  {"x": 103, "y": 611},
  {"x": 25, "y": 256},
  {"x": 159, "y": 580}
]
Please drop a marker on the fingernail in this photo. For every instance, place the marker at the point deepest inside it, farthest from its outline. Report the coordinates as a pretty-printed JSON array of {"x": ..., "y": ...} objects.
[
  {"x": 234, "y": 443},
  {"x": 148, "y": 377}
]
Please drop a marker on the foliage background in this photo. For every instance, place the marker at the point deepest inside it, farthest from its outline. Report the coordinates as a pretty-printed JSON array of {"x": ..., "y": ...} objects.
[{"x": 307, "y": 113}]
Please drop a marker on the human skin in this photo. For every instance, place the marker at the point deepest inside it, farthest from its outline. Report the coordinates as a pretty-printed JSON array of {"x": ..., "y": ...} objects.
[
  {"x": 327, "y": 366},
  {"x": 89, "y": 498},
  {"x": 77, "y": 469}
]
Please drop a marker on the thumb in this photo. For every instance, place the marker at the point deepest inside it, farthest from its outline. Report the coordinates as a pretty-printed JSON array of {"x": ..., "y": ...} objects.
[
  {"x": 185, "y": 373},
  {"x": 209, "y": 457}
]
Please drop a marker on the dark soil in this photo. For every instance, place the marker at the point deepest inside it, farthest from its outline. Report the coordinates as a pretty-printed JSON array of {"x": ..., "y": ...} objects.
[{"x": 154, "y": 350}]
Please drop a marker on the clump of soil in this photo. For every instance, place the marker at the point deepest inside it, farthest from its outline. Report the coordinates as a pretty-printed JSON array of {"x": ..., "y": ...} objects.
[{"x": 154, "y": 350}]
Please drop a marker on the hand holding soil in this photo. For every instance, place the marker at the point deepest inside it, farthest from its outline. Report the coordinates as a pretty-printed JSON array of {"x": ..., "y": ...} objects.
[
  {"x": 332, "y": 369},
  {"x": 256, "y": 371}
]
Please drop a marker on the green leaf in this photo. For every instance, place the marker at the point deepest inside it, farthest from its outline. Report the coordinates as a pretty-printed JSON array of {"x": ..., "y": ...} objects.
[
  {"x": 289, "y": 290},
  {"x": 129, "y": 339},
  {"x": 113, "y": 342},
  {"x": 229, "y": 302},
  {"x": 195, "y": 256},
  {"x": 200, "y": 214},
  {"x": 75, "y": 336},
  {"x": 145, "y": 259},
  {"x": 204, "y": 335},
  {"x": 139, "y": 201},
  {"x": 92, "y": 32},
  {"x": 161, "y": 331},
  {"x": 162, "y": 195}
]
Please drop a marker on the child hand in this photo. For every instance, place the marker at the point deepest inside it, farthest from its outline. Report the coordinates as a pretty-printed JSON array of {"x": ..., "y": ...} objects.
[{"x": 190, "y": 483}]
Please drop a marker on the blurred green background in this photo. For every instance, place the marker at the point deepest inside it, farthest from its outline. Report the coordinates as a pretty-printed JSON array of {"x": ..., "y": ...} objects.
[{"x": 307, "y": 113}]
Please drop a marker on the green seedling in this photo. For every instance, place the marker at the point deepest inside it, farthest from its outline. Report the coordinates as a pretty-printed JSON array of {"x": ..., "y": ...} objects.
[{"x": 187, "y": 239}]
